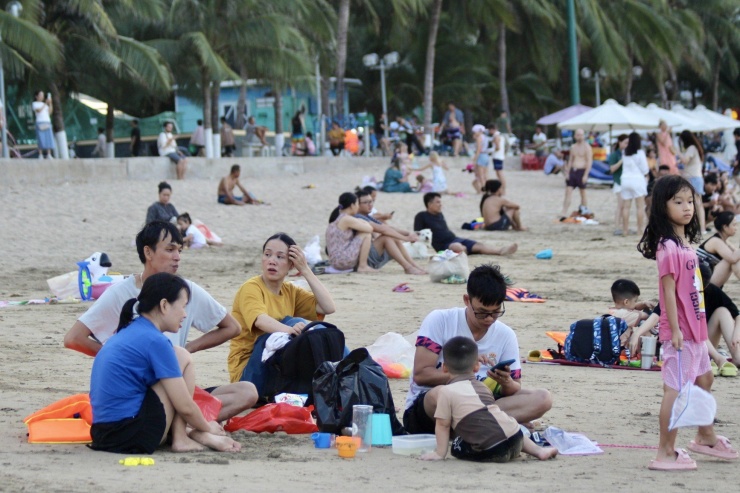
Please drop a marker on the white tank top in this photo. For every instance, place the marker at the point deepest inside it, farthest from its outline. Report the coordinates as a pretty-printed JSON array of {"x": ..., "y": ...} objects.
[{"x": 500, "y": 152}]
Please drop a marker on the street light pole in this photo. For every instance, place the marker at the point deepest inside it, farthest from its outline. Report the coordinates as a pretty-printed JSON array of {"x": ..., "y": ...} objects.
[
  {"x": 575, "y": 89},
  {"x": 597, "y": 79},
  {"x": 382, "y": 91}
]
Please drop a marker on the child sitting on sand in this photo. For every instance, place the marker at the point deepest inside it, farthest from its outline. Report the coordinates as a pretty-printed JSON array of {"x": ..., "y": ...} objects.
[
  {"x": 626, "y": 295},
  {"x": 423, "y": 185},
  {"x": 191, "y": 236},
  {"x": 465, "y": 406},
  {"x": 438, "y": 167}
]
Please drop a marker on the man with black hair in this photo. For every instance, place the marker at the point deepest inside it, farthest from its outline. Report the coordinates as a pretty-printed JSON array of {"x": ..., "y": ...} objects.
[
  {"x": 159, "y": 245},
  {"x": 478, "y": 320},
  {"x": 443, "y": 238}
]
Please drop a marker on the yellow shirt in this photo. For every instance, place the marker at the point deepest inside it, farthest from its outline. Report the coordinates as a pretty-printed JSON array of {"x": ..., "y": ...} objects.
[{"x": 254, "y": 299}]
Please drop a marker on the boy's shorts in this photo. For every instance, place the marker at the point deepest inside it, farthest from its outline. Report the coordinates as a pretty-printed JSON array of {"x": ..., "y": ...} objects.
[
  {"x": 498, "y": 164},
  {"x": 505, "y": 451},
  {"x": 415, "y": 418},
  {"x": 694, "y": 363},
  {"x": 468, "y": 244}
]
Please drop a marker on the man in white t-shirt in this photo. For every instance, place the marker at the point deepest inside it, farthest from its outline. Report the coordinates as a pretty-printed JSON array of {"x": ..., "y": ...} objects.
[
  {"x": 159, "y": 245},
  {"x": 167, "y": 146},
  {"x": 539, "y": 142},
  {"x": 484, "y": 305}
]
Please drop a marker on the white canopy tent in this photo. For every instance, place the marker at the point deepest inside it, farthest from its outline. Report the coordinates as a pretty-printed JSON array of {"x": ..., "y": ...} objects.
[
  {"x": 711, "y": 119},
  {"x": 676, "y": 121},
  {"x": 611, "y": 116}
]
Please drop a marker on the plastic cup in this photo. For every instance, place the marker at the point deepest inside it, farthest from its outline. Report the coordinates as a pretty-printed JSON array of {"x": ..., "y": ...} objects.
[
  {"x": 649, "y": 344},
  {"x": 382, "y": 435},
  {"x": 321, "y": 440},
  {"x": 362, "y": 426},
  {"x": 346, "y": 447}
]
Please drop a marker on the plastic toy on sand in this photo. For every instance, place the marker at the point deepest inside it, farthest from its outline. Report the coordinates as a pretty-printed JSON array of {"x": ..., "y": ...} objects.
[{"x": 544, "y": 254}]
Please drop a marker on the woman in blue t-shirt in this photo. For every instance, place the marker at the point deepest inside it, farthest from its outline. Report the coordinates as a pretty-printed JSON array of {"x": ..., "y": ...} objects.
[{"x": 141, "y": 387}]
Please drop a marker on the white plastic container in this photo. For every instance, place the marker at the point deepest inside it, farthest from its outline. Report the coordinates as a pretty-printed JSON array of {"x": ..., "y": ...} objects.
[{"x": 414, "y": 444}]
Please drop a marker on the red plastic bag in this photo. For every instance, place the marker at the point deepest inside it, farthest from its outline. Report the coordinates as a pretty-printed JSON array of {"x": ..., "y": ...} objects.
[
  {"x": 209, "y": 405},
  {"x": 275, "y": 417}
]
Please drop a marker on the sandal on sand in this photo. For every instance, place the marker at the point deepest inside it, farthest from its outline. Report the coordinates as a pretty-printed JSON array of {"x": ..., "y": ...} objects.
[
  {"x": 728, "y": 370},
  {"x": 721, "y": 450},
  {"x": 715, "y": 368},
  {"x": 682, "y": 463},
  {"x": 402, "y": 288}
]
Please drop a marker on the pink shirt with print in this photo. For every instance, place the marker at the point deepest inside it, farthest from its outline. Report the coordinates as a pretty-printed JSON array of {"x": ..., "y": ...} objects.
[{"x": 681, "y": 262}]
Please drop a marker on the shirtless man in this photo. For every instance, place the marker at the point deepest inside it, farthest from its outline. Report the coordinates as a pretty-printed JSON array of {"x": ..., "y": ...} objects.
[
  {"x": 498, "y": 213},
  {"x": 576, "y": 171},
  {"x": 226, "y": 186},
  {"x": 387, "y": 240}
]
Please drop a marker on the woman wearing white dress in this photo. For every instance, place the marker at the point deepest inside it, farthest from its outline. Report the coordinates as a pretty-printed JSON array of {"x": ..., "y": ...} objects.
[
  {"x": 634, "y": 183},
  {"x": 44, "y": 136}
]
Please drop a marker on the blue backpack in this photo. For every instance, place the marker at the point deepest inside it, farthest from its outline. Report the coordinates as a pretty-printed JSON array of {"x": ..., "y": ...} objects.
[{"x": 595, "y": 340}]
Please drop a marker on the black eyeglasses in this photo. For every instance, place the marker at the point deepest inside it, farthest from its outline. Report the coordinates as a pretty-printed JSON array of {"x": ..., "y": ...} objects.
[
  {"x": 485, "y": 315},
  {"x": 363, "y": 202}
]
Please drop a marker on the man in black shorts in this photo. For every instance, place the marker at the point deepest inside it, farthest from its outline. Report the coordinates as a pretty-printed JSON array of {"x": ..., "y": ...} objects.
[{"x": 443, "y": 238}]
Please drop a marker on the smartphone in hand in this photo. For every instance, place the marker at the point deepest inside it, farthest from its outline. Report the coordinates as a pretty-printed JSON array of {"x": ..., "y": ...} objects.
[{"x": 503, "y": 364}]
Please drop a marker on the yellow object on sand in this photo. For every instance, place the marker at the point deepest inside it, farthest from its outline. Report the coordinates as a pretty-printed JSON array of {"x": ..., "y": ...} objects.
[{"x": 137, "y": 461}]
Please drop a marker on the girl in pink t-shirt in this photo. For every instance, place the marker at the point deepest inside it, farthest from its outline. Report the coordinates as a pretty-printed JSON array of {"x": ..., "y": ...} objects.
[{"x": 672, "y": 227}]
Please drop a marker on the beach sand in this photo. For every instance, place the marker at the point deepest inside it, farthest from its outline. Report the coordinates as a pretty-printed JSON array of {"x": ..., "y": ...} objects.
[{"x": 46, "y": 229}]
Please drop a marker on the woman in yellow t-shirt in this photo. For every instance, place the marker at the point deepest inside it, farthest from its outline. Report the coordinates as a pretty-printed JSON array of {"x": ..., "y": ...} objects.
[{"x": 264, "y": 300}]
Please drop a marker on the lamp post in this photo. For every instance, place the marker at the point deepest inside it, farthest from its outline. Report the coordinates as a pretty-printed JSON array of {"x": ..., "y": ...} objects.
[
  {"x": 597, "y": 76},
  {"x": 374, "y": 62},
  {"x": 15, "y": 8}
]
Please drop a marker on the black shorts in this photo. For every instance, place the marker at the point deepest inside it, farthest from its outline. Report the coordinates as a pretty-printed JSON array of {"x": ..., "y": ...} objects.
[
  {"x": 505, "y": 451},
  {"x": 416, "y": 420},
  {"x": 467, "y": 243},
  {"x": 141, "y": 434},
  {"x": 502, "y": 224}
]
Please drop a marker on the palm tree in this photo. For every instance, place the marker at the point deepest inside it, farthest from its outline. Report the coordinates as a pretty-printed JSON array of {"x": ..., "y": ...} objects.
[
  {"x": 436, "y": 13},
  {"x": 342, "y": 26}
]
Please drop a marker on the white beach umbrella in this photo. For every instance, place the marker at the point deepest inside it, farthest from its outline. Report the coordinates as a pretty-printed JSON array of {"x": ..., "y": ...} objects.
[
  {"x": 610, "y": 116},
  {"x": 711, "y": 119}
]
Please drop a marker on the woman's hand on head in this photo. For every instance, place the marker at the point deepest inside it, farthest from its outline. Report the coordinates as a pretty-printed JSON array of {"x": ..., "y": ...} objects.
[{"x": 298, "y": 258}]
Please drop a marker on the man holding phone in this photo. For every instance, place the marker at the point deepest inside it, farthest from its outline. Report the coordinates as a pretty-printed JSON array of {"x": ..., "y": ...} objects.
[{"x": 497, "y": 345}]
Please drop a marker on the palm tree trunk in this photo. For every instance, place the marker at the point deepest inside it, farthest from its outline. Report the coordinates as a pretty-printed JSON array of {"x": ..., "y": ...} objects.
[
  {"x": 57, "y": 118},
  {"x": 241, "y": 104},
  {"x": 674, "y": 80},
  {"x": 207, "y": 129},
  {"x": 429, "y": 72},
  {"x": 715, "y": 84},
  {"x": 502, "y": 69},
  {"x": 342, "y": 27},
  {"x": 215, "y": 97},
  {"x": 110, "y": 150}
]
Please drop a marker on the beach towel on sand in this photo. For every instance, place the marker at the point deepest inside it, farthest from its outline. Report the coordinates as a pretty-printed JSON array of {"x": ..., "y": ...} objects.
[{"x": 523, "y": 295}]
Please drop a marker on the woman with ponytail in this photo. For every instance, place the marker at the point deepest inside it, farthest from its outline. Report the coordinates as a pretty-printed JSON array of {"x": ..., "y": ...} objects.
[
  {"x": 141, "y": 387},
  {"x": 348, "y": 239}
]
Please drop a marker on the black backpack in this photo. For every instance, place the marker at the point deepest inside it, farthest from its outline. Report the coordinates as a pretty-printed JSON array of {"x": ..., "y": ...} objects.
[
  {"x": 357, "y": 379},
  {"x": 291, "y": 368},
  {"x": 595, "y": 340}
]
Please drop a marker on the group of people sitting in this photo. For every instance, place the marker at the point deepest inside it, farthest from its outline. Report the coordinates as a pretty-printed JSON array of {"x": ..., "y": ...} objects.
[
  {"x": 358, "y": 237},
  {"x": 143, "y": 376}
]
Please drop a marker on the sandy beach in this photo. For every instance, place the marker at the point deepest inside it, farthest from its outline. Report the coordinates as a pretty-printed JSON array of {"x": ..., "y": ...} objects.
[{"x": 46, "y": 229}]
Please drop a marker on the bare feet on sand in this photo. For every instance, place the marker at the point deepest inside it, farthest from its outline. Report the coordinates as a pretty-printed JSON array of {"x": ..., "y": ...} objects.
[
  {"x": 186, "y": 444},
  {"x": 220, "y": 443},
  {"x": 509, "y": 249}
]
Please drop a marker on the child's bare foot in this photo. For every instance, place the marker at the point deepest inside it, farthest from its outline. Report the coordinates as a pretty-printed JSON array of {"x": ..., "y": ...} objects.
[
  {"x": 366, "y": 270},
  {"x": 186, "y": 444},
  {"x": 509, "y": 249},
  {"x": 219, "y": 443},
  {"x": 545, "y": 453}
]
